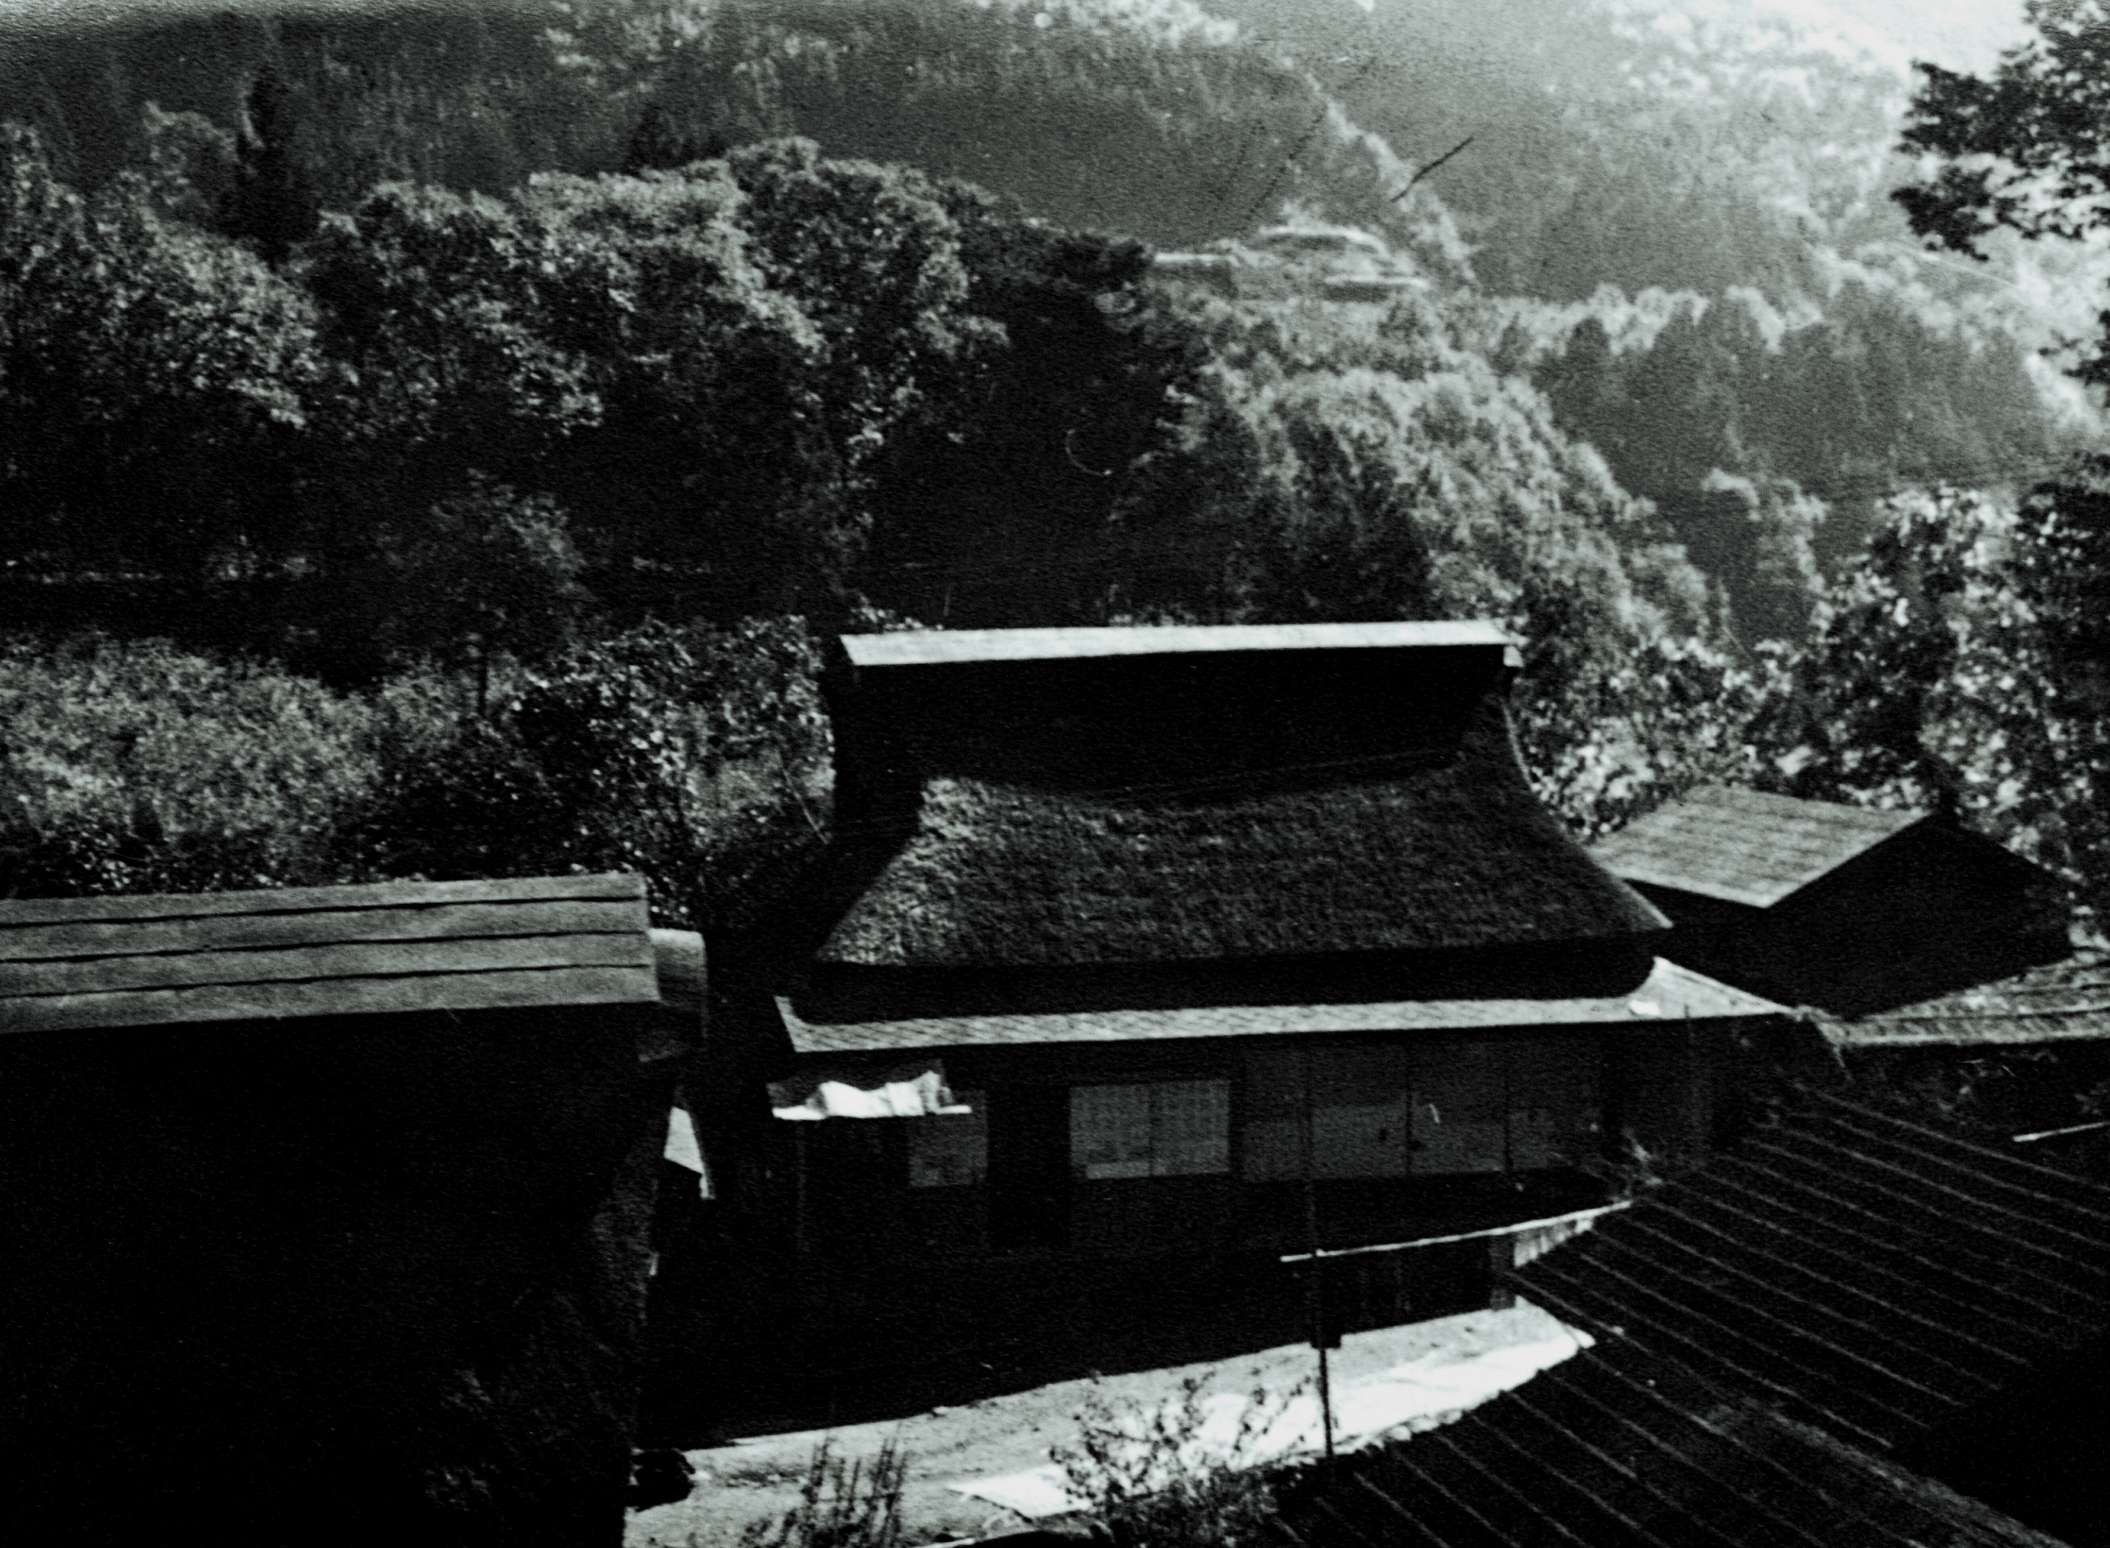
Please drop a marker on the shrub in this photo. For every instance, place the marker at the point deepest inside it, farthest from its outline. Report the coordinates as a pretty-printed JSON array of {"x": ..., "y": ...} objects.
[
  {"x": 841, "y": 1504},
  {"x": 1156, "y": 1477},
  {"x": 139, "y": 768}
]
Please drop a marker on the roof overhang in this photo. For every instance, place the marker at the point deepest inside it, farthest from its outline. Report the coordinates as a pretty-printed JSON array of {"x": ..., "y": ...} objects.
[
  {"x": 961, "y": 646},
  {"x": 1670, "y": 994}
]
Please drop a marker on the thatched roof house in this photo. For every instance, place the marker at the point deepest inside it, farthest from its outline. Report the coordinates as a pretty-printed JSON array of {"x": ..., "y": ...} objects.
[
  {"x": 1184, "y": 943},
  {"x": 1843, "y": 908}
]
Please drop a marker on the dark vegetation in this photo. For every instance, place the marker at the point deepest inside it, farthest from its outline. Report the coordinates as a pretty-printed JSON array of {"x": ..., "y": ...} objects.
[{"x": 464, "y": 426}]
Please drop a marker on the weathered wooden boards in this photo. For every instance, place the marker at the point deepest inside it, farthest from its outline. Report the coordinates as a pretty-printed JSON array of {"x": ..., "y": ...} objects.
[{"x": 391, "y": 946}]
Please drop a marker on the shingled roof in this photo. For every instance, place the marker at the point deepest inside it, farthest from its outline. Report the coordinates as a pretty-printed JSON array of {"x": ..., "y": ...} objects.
[
  {"x": 1035, "y": 798},
  {"x": 1610, "y": 1450},
  {"x": 1863, "y": 1272},
  {"x": 2055, "y": 1002},
  {"x": 1775, "y": 1336},
  {"x": 1746, "y": 846},
  {"x": 392, "y": 946}
]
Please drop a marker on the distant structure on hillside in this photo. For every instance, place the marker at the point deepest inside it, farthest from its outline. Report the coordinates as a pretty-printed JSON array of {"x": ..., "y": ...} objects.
[{"x": 1334, "y": 263}]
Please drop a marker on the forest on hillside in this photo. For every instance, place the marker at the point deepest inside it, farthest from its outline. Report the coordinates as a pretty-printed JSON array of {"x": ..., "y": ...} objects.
[{"x": 440, "y": 444}]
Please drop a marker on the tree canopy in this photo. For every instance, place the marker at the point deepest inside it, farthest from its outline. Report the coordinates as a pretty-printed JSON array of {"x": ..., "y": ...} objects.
[{"x": 2021, "y": 150}]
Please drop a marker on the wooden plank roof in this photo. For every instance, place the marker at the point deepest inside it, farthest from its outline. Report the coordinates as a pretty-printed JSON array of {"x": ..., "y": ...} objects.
[
  {"x": 1669, "y": 993},
  {"x": 960, "y": 646},
  {"x": 1870, "y": 1274},
  {"x": 1745, "y": 846},
  {"x": 1772, "y": 1335},
  {"x": 2054, "y": 1002},
  {"x": 1607, "y": 1450},
  {"x": 391, "y": 946}
]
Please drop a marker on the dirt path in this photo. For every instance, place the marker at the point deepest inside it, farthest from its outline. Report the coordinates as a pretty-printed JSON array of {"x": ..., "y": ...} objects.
[{"x": 759, "y": 1476}]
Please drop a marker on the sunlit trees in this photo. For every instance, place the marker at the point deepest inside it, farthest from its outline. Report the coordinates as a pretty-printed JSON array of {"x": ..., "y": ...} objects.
[{"x": 151, "y": 377}]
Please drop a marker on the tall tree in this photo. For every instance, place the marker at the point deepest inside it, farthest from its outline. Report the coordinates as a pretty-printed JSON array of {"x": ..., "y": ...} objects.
[
  {"x": 2022, "y": 150},
  {"x": 273, "y": 203},
  {"x": 658, "y": 145}
]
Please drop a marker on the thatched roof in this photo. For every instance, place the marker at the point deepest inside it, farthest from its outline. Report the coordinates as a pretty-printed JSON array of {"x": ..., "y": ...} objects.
[
  {"x": 2056, "y": 1002},
  {"x": 1109, "y": 796},
  {"x": 1669, "y": 993},
  {"x": 1746, "y": 846}
]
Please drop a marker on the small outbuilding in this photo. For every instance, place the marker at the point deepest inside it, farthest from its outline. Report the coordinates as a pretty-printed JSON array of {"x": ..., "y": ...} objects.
[
  {"x": 1845, "y": 909},
  {"x": 327, "y": 1211}
]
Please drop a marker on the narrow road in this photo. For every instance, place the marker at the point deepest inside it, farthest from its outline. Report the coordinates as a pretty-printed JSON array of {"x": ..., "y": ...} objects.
[{"x": 1004, "y": 1441}]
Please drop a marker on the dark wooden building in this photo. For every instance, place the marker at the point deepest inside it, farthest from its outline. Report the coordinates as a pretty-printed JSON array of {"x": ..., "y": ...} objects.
[
  {"x": 2018, "y": 1050},
  {"x": 1853, "y": 1329},
  {"x": 1845, "y": 909},
  {"x": 1176, "y": 950},
  {"x": 327, "y": 1211}
]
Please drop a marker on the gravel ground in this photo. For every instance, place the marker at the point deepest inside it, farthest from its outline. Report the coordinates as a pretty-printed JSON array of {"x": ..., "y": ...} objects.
[{"x": 759, "y": 1476}]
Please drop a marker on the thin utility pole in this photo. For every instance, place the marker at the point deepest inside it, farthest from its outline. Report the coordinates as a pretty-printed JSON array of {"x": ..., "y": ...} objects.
[{"x": 1315, "y": 1289}]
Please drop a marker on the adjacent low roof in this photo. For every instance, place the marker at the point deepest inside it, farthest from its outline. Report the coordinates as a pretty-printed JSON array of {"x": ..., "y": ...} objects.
[
  {"x": 1745, "y": 846},
  {"x": 1670, "y": 993},
  {"x": 392, "y": 946},
  {"x": 2056, "y": 1002},
  {"x": 1609, "y": 1451},
  {"x": 1870, "y": 1274},
  {"x": 956, "y": 646}
]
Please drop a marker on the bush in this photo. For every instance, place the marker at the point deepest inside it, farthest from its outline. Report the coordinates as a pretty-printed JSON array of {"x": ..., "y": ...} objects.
[
  {"x": 1158, "y": 1479},
  {"x": 841, "y": 1505},
  {"x": 697, "y": 758},
  {"x": 138, "y": 768}
]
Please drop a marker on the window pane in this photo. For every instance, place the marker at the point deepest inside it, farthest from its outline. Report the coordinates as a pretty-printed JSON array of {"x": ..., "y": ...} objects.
[
  {"x": 1359, "y": 1112},
  {"x": 1359, "y": 1115},
  {"x": 1556, "y": 1103},
  {"x": 1110, "y": 1131},
  {"x": 1460, "y": 1108},
  {"x": 1271, "y": 1144},
  {"x": 1191, "y": 1127},
  {"x": 950, "y": 1151}
]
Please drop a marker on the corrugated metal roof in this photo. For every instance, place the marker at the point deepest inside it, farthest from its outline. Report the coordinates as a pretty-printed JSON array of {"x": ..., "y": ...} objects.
[
  {"x": 955, "y": 646},
  {"x": 1745, "y": 846},
  {"x": 1874, "y": 1275},
  {"x": 324, "y": 951},
  {"x": 1669, "y": 993},
  {"x": 2057, "y": 1002}
]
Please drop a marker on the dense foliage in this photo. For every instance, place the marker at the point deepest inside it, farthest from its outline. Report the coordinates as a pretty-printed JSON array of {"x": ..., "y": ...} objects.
[{"x": 345, "y": 347}]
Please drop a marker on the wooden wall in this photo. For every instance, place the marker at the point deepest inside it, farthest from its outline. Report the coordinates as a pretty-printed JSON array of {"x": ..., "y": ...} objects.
[
  {"x": 1928, "y": 912},
  {"x": 330, "y": 1282}
]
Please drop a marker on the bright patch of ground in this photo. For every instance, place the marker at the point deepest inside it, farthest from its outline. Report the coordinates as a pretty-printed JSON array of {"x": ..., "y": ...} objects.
[{"x": 1410, "y": 1376}]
